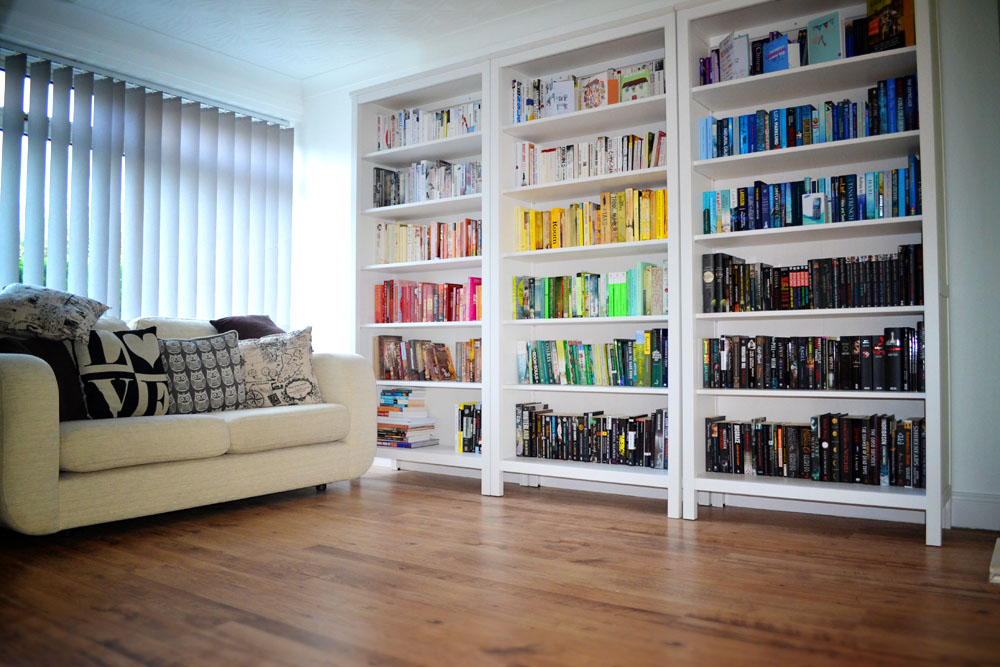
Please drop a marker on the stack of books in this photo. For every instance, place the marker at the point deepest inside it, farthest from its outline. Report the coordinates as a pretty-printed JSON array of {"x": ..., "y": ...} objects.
[{"x": 403, "y": 420}]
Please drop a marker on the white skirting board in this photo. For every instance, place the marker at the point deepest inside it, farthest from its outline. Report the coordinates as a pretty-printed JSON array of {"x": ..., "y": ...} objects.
[{"x": 975, "y": 510}]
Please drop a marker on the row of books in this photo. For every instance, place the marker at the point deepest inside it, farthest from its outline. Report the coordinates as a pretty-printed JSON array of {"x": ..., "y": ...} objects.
[
  {"x": 640, "y": 361},
  {"x": 592, "y": 437},
  {"x": 426, "y": 361},
  {"x": 729, "y": 285},
  {"x": 891, "y": 107},
  {"x": 413, "y": 126},
  {"x": 534, "y": 165},
  {"x": 890, "y": 361},
  {"x": 634, "y": 292},
  {"x": 869, "y": 196},
  {"x": 401, "y": 242},
  {"x": 555, "y": 96},
  {"x": 403, "y": 420},
  {"x": 620, "y": 217},
  {"x": 888, "y": 24},
  {"x": 469, "y": 428},
  {"x": 425, "y": 181},
  {"x": 412, "y": 301},
  {"x": 876, "y": 450}
]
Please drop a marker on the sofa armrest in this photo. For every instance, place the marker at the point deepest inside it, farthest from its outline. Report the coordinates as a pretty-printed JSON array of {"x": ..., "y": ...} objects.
[
  {"x": 29, "y": 445},
  {"x": 348, "y": 379}
]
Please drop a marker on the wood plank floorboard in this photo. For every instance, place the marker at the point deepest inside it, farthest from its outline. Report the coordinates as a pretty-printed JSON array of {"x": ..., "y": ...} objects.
[{"x": 409, "y": 568}]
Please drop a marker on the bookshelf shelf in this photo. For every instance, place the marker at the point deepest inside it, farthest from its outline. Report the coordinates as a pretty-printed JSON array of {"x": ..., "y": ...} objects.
[
  {"x": 700, "y": 29},
  {"x": 427, "y": 265},
  {"x": 462, "y": 145},
  {"x": 635, "y": 319},
  {"x": 815, "y": 156},
  {"x": 805, "y": 489},
  {"x": 443, "y": 455},
  {"x": 820, "y": 313},
  {"x": 591, "y": 472},
  {"x": 843, "y": 74},
  {"x": 589, "y": 121},
  {"x": 587, "y": 389},
  {"x": 631, "y": 249},
  {"x": 813, "y": 233},
  {"x": 578, "y": 187},
  {"x": 429, "y": 384},
  {"x": 423, "y": 325},
  {"x": 427, "y": 209},
  {"x": 815, "y": 393}
]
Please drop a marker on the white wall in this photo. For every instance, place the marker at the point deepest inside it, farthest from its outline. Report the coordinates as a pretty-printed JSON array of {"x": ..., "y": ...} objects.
[{"x": 970, "y": 88}]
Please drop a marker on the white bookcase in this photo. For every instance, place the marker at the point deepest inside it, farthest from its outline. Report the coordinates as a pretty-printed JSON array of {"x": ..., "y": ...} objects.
[
  {"x": 429, "y": 92},
  {"x": 699, "y": 29},
  {"x": 581, "y": 56}
]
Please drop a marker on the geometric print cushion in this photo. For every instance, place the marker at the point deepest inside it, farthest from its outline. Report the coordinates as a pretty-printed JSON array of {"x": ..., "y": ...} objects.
[
  {"x": 278, "y": 370},
  {"x": 204, "y": 374},
  {"x": 122, "y": 374}
]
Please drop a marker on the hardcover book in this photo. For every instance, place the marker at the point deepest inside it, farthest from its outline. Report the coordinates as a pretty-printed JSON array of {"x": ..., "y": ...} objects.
[
  {"x": 776, "y": 55},
  {"x": 824, "y": 39}
]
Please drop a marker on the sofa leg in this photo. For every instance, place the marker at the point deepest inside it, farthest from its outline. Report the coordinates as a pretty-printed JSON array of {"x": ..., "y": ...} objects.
[{"x": 320, "y": 488}]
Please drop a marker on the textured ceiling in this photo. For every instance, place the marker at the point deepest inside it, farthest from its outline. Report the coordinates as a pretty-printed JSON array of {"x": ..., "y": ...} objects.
[{"x": 307, "y": 38}]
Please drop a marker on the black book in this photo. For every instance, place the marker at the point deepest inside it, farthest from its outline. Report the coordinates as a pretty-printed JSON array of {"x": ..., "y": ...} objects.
[
  {"x": 893, "y": 359},
  {"x": 757, "y": 56},
  {"x": 826, "y": 452},
  {"x": 855, "y": 363},
  {"x": 878, "y": 363},
  {"x": 712, "y": 443},
  {"x": 867, "y": 370}
]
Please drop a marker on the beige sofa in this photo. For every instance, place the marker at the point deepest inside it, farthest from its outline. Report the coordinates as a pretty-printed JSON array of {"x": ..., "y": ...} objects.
[{"x": 61, "y": 475}]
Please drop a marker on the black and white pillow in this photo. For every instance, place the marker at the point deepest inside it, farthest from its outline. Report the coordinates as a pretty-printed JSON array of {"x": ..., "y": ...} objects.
[
  {"x": 122, "y": 374},
  {"x": 42, "y": 312},
  {"x": 278, "y": 370},
  {"x": 204, "y": 374}
]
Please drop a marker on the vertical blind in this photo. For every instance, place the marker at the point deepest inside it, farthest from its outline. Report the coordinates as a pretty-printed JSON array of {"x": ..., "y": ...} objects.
[{"x": 152, "y": 204}]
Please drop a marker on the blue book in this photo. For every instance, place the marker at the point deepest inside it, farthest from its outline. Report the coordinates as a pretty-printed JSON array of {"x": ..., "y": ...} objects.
[
  {"x": 776, "y": 55},
  {"x": 883, "y": 116},
  {"x": 760, "y": 133},
  {"x": 854, "y": 120},
  {"x": 902, "y": 191},
  {"x": 775, "y": 129},
  {"x": 890, "y": 103},
  {"x": 706, "y": 227},
  {"x": 824, "y": 39},
  {"x": 783, "y": 127}
]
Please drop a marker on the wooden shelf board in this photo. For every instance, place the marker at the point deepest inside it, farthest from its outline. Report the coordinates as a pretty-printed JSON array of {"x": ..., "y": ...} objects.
[
  {"x": 427, "y": 209},
  {"x": 591, "y": 472},
  {"x": 836, "y": 75},
  {"x": 804, "y": 489},
  {"x": 440, "y": 149},
  {"x": 592, "y": 389},
  {"x": 444, "y": 455},
  {"x": 814, "y": 156},
  {"x": 819, "y": 313},
  {"x": 590, "y": 121},
  {"x": 856, "y": 229},
  {"x": 427, "y": 265},
  {"x": 654, "y": 177},
  {"x": 630, "y": 249}
]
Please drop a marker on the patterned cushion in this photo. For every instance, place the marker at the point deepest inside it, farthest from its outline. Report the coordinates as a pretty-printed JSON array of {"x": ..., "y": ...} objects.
[
  {"x": 47, "y": 313},
  {"x": 122, "y": 374},
  {"x": 278, "y": 370},
  {"x": 204, "y": 374}
]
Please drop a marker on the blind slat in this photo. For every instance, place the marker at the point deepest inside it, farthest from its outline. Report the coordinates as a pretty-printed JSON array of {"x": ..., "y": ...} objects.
[
  {"x": 170, "y": 192},
  {"x": 34, "y": 204},
  {"x": 113, "y": 270},
  {"x": 241, "y": 217},
  {"x": 271, "y": 221},
  {"x": 286, "y": 184},
  {"x": 187, "y": 240},
  {"x": 55, "y": 273},
  {"x": 224, "y": 215},
  {"x": 208, "y": 157},
  {"x": 134, "y": 150},
  {"x": 10, "y": 169},
  {"x": 100, "y": 190},
  {"x": 258, "y": 191},
  {"x": 79, "y": 205},
  {"x": 151, "y": 175}
]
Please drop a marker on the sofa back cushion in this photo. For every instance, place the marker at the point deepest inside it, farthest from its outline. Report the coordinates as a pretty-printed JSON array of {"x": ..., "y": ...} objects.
[{"x": 175, "y": 327}]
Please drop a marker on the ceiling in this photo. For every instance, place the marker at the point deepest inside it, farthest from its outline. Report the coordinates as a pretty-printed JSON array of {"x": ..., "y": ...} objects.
[{"x": 303, "y": 39}]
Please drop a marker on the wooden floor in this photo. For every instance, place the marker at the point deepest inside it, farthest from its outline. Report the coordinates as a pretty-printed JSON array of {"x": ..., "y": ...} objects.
[{"x": 411, "y": 568}]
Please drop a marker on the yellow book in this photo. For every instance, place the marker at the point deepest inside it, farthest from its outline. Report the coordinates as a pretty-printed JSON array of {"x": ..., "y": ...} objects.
[
  {"x": 546, "y": 229},
  {"x": 629, "y": 215},
  {"x": 620, "y": 215},
  {"x": 606, "y": 218},
  {"x": 661, "y": 214},
  {"x": 644, "y": 220},
  {"x": 522, "y": 237},
  {"x": 554, "y": 215}
]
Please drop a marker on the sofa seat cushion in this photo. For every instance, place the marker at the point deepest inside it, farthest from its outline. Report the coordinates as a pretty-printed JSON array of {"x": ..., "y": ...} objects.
[
  {"x": 86, "y": 446},
  {"x": 261, "y": 429}
]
